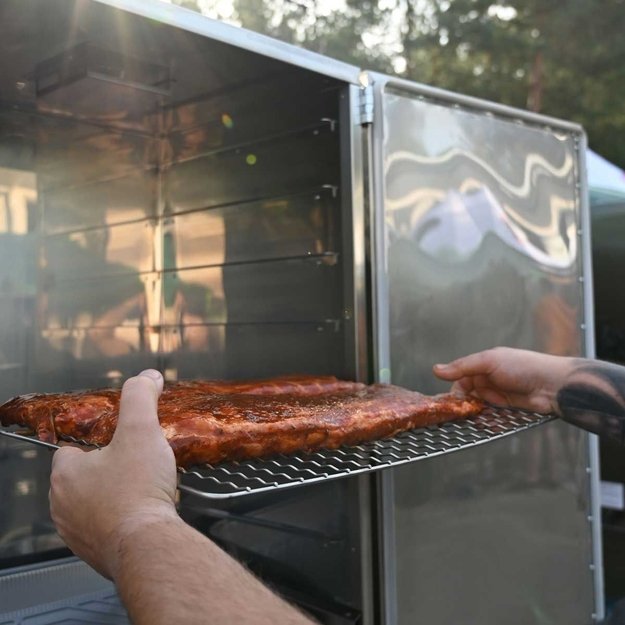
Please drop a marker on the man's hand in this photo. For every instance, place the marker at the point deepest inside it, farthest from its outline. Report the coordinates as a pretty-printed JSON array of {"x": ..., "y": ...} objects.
[
  {"x": 115, "y": 509},
  {"x": 99, "y": 497},
  {"x": 510, "y": 377}
]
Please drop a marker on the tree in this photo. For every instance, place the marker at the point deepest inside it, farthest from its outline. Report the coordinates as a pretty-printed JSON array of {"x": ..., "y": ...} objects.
[
  {"x": 345, "y": 32},
  {"x": 564, "y": 58},
  {"x": 341, "y": 33}
]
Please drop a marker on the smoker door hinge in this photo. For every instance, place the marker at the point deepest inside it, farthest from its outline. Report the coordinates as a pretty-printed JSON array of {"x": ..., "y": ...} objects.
[{"x": 366, "y": 105}]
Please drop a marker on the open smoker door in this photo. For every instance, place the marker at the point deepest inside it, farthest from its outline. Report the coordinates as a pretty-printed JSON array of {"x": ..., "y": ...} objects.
[{"x": 482, "y": 240}]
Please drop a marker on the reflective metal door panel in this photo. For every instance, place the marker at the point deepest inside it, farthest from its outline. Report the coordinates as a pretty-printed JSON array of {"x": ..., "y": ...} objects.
[
  {"x": 498, "y": 535},
  {"x": 482, "y": 226},
  {"x": 482, "y": 220}
]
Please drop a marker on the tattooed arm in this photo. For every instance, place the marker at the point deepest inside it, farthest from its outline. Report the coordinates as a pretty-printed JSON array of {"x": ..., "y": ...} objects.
[
  {"x": 593, "y": 398},
  {"x": 586, "y": 393}
]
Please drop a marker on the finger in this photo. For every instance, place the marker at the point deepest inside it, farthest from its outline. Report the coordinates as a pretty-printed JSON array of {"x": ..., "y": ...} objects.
[
  {"x": 474, "y": 364},
  {"x": 156, "y": 377},
  {"x": 138, "y": 405},
  {"x": 490, "y": 395},
  {"x": 462, "y": 387}
]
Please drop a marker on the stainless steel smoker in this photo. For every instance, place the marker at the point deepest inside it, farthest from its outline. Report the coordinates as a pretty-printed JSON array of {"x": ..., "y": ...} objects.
[{"x": 180, "y": 194}]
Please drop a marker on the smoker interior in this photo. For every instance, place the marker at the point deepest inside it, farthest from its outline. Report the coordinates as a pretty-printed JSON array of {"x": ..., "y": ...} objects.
[
  {"x": 170, "y": 201},
  {"x": 608, "y": 228}
]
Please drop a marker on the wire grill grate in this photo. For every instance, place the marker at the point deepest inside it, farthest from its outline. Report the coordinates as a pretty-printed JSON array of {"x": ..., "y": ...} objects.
[{"x": 234, "y": 479}]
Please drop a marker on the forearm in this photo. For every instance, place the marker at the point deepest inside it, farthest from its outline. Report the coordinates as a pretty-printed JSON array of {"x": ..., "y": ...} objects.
[
  {"x": 168, "y": 573},
  {"x": 593, "y": 398}
]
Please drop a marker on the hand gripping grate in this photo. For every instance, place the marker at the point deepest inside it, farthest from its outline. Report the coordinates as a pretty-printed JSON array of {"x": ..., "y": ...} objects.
[{"x": 233, "y": 479}]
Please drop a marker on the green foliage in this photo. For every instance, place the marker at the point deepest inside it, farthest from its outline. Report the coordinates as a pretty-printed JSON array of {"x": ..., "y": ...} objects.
[
  {"x": 564, "y": 58},
  {"x": 336, "y": 33}
]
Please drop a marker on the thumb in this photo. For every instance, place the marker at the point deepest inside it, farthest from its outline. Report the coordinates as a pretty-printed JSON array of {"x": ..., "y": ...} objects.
[
  {"x": 138, "y": 406},
  {"x": 480, "y": 363},
  {"x": 447, "y": 371}
]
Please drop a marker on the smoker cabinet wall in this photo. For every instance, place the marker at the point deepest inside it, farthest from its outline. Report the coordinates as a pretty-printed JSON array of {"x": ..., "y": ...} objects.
[
  {"x": 481, "y": 226},
  {"x": 169, "y": 200}
]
